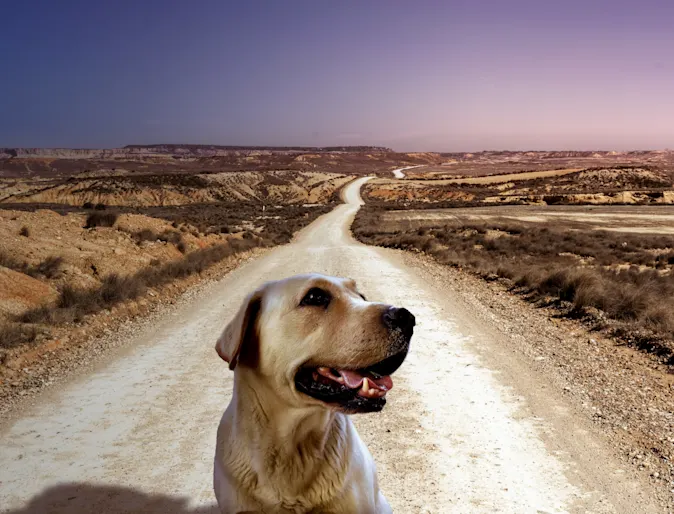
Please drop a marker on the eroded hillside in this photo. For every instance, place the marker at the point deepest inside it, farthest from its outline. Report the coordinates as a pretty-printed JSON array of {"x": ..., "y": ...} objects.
[
  {"x": 177, "y": 189},
  {"x": 600, "y": 185},
  {"x": 81, "y": 254}
]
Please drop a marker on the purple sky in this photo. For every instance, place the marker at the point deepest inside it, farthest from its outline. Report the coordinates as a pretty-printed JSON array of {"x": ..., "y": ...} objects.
[{"x": 413, "y": 75}]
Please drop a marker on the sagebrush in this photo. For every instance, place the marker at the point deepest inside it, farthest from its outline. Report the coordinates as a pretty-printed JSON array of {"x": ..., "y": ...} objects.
[{"x": 623, "y": 282}]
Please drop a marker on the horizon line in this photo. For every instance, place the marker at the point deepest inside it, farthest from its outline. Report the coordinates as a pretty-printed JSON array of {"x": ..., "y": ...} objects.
[{"x": 314, "y": 147}]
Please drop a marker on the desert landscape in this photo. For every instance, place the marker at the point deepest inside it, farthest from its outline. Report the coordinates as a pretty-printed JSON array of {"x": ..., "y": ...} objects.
[
  {"x": 533, "y": 178},
  {"x": 91, "y": 238},
  {"x": 95, "y": 245},
  {"x": 337, "y": 257}
]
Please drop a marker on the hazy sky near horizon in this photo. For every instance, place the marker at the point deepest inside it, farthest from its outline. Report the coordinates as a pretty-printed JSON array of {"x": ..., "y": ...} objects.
[{"x": 412, "y": 75}]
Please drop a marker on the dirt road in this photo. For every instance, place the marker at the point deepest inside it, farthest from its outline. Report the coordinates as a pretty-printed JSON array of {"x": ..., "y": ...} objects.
[
  {"x": 398, "y": 173},
  {"x": 458, "y": 435}
]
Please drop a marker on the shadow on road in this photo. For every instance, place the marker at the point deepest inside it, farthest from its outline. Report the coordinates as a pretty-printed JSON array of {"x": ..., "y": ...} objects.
[{"x": 96, "y": 499}]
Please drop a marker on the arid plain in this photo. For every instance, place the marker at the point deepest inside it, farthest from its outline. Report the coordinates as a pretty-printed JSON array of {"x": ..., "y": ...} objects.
[{"x": 543, "y": 280}]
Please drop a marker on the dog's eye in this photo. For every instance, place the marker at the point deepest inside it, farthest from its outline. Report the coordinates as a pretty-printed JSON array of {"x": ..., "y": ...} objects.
[{"x": 316, "y": 298}]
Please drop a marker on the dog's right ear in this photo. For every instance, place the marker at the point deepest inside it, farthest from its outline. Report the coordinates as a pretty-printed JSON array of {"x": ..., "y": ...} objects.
[{"x": 240, "y": 332}]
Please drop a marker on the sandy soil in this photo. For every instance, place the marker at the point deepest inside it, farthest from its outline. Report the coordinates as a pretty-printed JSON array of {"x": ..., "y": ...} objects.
[{"x": 463, "y": 431}]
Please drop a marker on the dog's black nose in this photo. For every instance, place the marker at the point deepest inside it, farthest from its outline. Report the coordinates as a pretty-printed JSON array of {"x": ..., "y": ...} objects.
[{"x": 399, "y": 318}]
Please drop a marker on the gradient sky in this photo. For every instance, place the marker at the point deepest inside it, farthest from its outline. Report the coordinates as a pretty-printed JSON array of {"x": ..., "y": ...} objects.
[{"x": 415, "y": 75}]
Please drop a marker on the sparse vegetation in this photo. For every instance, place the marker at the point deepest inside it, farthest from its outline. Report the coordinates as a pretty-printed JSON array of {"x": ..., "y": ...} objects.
[
  {"x": 74, "y": 303},
  {"x": 106, "y": 269},
  {"x": 276, "y": 224},
  {"x": 623, "y": 283},
  {"x": 251, "y": 225},
  {"x": 254, "y": 226}
]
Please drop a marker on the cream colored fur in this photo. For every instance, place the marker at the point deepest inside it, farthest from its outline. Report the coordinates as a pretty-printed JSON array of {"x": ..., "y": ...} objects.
[{"x": 279, "y": 451}]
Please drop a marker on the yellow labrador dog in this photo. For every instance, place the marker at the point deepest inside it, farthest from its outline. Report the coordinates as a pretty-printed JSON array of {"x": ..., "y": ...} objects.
[{"x": 306, "y": 352}]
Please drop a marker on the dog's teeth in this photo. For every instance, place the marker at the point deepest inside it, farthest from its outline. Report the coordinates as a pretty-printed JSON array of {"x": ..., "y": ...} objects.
[
  {"x": 366, "y": 385},
  {"x": 340, "y": 380}
]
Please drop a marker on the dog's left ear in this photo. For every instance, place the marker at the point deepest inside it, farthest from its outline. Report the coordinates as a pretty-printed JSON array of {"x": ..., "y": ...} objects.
[{"x": 241, "y": 331}]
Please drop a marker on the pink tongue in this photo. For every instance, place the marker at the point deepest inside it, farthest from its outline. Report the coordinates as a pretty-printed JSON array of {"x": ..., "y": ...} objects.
[{"x": 354, "y": 380}]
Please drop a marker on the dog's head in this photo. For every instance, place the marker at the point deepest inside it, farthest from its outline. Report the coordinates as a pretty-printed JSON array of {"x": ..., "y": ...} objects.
[{"x": 316, "y": 340}]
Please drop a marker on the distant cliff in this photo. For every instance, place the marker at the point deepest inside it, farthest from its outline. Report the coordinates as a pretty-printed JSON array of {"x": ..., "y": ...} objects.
[
  {"x": 149, "y": 159},
  {"x": 131, "y": 151}
]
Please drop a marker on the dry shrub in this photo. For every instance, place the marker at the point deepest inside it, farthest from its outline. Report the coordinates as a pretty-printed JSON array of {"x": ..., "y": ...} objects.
[
  {"x": 171, "y": 236},
  {"x": 48, "y": 268},
  {"x": 168, "y": 236},
  {"x": 98, "y": 219},
  {"x": 16, "y": 334},
  {"x": 9, "y": 262},
  {"x": 565, "y": 283},
  {"x": 145, "y": 235}
]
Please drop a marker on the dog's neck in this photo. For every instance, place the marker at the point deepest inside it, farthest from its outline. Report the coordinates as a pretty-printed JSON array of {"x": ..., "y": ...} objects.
[
  {"x": 284, "y": 425},
  {"x": 301, "y": 444}
]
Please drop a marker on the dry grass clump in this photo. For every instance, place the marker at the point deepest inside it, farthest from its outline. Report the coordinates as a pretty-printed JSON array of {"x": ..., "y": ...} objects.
[
  {"x": 621, "y": 282},
  {"x": 48, "y": 268},
  {"x": 101, "y": 219},
  {"x": 16, "y": 334},
  {"x": 167, "y": 236},
  {"x": 174, "y": 237}
]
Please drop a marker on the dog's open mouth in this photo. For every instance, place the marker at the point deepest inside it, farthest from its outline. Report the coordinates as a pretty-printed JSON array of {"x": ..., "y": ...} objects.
[{"x": 354, "y": 390}]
